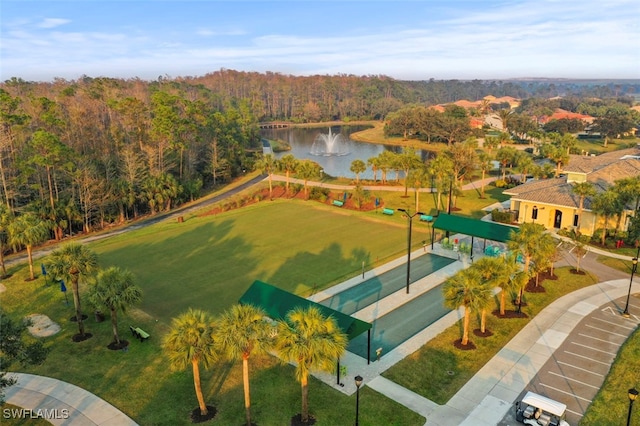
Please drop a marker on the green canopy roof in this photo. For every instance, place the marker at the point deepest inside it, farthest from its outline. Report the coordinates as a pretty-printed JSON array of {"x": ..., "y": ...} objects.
[
  {"x": 473, "y": 227},
  {"x": 277, "y": 303}
]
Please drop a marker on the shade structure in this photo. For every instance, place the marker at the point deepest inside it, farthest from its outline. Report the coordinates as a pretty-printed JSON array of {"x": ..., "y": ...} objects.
[
  {"x": 277, "y": 303},
  {"x": 474, "y": 228}
]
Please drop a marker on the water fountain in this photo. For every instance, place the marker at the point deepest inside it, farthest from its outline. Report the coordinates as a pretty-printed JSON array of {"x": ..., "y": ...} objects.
[{"x": 328, "y": 145}]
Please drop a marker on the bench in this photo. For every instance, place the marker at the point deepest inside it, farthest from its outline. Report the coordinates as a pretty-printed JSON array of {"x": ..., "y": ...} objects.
[
  {"x": 338, "y": 203},
  {"x": 426, "y": 218},
  {"x": 388, "y": 211},
  {"x": 139, "y": 333}
]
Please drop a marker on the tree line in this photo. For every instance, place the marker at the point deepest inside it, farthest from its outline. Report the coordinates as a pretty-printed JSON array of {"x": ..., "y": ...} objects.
[{"x": 86, "y": 153}]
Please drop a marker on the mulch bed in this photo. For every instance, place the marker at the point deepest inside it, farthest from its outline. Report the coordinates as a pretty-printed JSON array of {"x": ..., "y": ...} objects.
[
  {"x": 531, "y": 287},
  {"x": 81, "y": 337},
  {"x": 576, "y": 272},
  {"x": 487, "y": 333},
  {"x": 118, "y": 346},
  {"x": 510, "y": 314},
  {"x": 196, "y": 417},
  {"x": 297, "y": 420},
  {"x": 468, "y": 347}
]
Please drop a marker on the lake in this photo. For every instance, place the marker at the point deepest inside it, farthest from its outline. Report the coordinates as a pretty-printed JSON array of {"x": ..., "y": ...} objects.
[{"x": 306, "y": 144}]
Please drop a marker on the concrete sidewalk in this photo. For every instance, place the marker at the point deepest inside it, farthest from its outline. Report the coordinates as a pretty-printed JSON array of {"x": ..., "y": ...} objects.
[{"x": 61, "y": 403}]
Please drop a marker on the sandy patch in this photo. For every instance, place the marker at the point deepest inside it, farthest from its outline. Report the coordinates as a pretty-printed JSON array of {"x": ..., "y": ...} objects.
[
  {"x": 3, "y": 288},
  {"x": 42, "y": 326}
]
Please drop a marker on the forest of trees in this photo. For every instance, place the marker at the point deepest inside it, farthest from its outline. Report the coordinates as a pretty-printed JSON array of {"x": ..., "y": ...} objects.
[{"x": 85, "y": 153}]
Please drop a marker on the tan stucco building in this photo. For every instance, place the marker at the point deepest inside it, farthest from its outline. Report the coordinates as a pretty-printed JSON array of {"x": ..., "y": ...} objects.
[{"x": 552, "y": 203}]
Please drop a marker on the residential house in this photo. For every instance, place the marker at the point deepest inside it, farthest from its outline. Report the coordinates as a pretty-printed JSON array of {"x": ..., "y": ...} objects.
[
  {"x": 560, "y": 114},
  {"x": 552, "y": 203}
]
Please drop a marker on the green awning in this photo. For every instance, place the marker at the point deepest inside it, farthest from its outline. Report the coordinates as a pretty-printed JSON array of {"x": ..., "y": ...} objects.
[
  {"x": 473, "y": 227},
  {"x": 277, "y": 303}
]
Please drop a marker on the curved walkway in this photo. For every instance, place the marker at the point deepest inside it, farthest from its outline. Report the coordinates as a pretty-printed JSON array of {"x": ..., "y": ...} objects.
[{"x": 61, "y": 403}]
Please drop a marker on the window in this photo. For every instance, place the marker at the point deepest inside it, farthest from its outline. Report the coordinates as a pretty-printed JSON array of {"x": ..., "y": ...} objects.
[
  {"x": 534, "y": 213},
  {"x": 575, "y": 220}
]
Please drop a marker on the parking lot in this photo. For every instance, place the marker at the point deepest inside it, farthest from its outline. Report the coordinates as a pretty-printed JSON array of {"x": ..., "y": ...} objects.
[{"x": 580, "y": 363}]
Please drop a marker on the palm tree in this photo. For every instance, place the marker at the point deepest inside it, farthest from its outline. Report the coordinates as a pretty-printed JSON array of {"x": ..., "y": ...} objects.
[
  {"x": 114, "y": 289},
  {"x": 510, "y": 278},
  {"x": 440, "y": 168},
  {"x": 242, "y": 331},
  {"x": 464, "y": 289},
  {"x": 190, "y": 342},
  {"x": 288, "y": 163},
  {"x": 526, "y": 242},
  {"x": 313, "y": 342},
  {"x": 357, "y": 167},
  {"x": 544, "y": 255},
  {"x": 485, "y": 164},
  {"x": 306, "y": 170},
  {"x": 267, "y": 165},
  {"x": 418, "y": 178},
  {"x": 374, "y": 162},
  {"x": 408, "y": 160},
  {"x": 6, "y": 216},
  {"x": 489, "y": 269},
  {"x": 28, "y": 230},
  {"x": 582, "y": 190},
  {"x": 69, "y": 262},
  {"x": 606, "y": 204},
  {"x": 505, "y": 117}
]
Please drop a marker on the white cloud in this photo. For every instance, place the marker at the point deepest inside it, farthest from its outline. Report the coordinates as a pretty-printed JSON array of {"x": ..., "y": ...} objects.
[{"x": 52, "y": 22}]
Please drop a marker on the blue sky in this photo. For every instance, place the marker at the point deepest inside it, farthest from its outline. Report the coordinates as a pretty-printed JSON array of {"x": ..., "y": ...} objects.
[{"x": 409, "y": 40}]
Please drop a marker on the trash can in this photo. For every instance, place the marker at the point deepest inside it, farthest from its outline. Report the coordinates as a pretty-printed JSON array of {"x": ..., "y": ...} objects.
[{"x": 99, "y": 316}]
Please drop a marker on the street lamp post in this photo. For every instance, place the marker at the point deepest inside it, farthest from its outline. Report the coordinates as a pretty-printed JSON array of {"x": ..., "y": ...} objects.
[
  {"x": 633, "y": 394},
  {"x": 625, "y": 313},
  {"x": 410, "y": 219},
  {"x": 358, "y": 380}
]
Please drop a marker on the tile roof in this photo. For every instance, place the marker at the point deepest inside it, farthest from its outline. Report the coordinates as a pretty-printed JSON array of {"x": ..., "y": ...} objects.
[
  {"x": 602, "y": 171},
  {"x": 548, "y": 191},
  {"x": 587, "y": 164}
]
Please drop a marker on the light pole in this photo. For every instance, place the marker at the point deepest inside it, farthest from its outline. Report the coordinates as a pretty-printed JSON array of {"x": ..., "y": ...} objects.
[
  {"x": 410, "y": 219},
  {"x": 625, "y": 313},
  {"x": 358, "y": 380},
  {"x": 633, "y": 394}
]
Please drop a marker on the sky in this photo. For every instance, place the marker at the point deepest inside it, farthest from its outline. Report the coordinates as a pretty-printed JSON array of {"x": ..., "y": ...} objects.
[{"x": 405, "y": 40}]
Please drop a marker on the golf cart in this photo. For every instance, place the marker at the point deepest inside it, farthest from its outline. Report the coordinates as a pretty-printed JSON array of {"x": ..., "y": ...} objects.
[{"x": 538, "y": 410}]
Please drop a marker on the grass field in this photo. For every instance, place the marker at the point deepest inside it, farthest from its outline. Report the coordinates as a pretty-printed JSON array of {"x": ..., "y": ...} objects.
[{"x": 208, "y": 262}]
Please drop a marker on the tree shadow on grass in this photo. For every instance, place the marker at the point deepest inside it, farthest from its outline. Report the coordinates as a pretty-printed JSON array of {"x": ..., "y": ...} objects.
[
  {"x": 201, "y": 266},
  {"x": 307, "y": 272}
]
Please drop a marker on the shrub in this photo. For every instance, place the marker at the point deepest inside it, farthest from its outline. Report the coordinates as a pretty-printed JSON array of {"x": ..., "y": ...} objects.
[
  {"x": 319, "y": 194},
  {"x": 500, "y": 183},
  {"x": 502, "y": 217}
]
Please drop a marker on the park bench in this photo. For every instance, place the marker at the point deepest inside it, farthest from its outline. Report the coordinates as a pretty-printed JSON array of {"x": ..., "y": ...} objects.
[
  {"x": 139, "y": 333},
  {"x": 387, "y": 211},
  {"x": 338, "y": 203},
  {"x": 426, "y": 218}
]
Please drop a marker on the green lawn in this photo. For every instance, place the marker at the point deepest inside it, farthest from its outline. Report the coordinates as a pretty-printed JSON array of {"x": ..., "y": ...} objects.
[
  {"x": 208, "y": 262},
  {"x": 428, "y": 370}
]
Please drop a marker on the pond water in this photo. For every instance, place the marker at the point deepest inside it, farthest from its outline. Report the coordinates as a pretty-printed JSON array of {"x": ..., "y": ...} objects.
[{"x": 305, "y": 144}]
